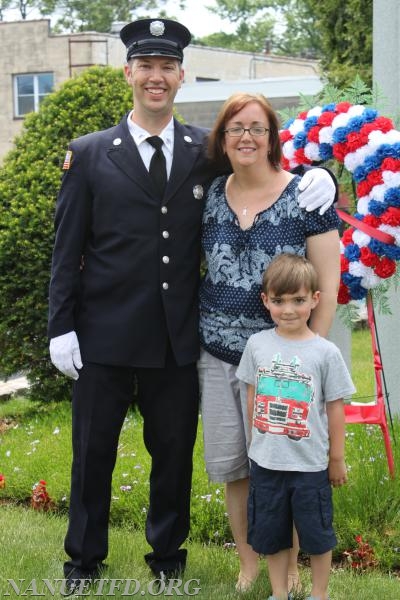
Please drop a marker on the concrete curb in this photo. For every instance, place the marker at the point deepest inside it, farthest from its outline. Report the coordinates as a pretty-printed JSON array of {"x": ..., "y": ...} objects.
[{"x": 13, "y": 385}]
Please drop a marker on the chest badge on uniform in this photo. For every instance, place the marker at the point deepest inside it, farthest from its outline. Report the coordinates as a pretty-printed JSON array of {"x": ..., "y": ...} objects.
[
  {"x": 198, "y": 192},
  {"x": 188, "y": 139},
  {"x": 117, "y": 141}
]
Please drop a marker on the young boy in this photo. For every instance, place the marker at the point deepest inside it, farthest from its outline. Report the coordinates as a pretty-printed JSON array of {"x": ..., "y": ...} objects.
[{"x": 296, "y": 383}]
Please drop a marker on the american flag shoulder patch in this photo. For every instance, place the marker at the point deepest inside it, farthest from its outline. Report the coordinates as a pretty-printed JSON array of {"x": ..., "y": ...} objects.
[{"x": 67, "y": 160}]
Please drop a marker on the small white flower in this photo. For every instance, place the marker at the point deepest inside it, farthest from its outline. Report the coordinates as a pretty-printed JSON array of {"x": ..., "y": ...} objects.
[
  {"x": 125, "y": 488},
  {"x": 356, "y": 110},
  {"x": 207, "y": 497},
  {"x": 8, "y": 453},
  {"x": 315, "y": 111},
  {"x": 311, "y": 151},
  {"x": 360, "y": 238},
  {"x": 296, "y": 126},
  {"x": 325, "y": 135},
  {"x": 340, "y": 120},
  {"x": 56, "y": 431}
]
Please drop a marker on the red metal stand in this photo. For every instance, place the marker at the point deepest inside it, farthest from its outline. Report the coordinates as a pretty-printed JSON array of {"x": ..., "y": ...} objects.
[{"x": 373, "y": 413}]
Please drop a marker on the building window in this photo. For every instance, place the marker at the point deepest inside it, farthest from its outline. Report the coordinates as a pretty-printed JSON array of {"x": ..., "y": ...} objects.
[{"x": 29, "y": 91}]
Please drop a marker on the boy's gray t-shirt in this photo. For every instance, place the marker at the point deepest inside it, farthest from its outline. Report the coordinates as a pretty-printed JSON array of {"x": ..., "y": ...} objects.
[{"x": 293, "y": 380}]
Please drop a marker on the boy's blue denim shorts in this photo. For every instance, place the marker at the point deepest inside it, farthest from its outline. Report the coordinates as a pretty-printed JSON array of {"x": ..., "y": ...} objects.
[{"x": 277, "y": 499}]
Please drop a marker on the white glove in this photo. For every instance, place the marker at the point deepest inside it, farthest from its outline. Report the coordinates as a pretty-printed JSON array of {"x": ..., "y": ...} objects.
[
  {"x": 317, "y": 190},
  {"x": 65, "y": 354}
]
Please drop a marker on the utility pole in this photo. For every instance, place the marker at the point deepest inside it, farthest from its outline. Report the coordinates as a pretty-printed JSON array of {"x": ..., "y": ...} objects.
[{"x": 386, "y": 75}]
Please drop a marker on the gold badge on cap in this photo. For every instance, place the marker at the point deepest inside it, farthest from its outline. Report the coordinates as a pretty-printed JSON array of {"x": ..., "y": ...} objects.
[
  {"x": 198, "y": 192},
  {"x": 157, "y": 28}
]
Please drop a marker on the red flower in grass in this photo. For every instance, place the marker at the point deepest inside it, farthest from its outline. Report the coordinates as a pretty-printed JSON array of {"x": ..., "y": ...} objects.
[
  {"x": 2, "y": 481},
  {"x": 362, "y": 557},
  {"x": 40, "y": 499}
]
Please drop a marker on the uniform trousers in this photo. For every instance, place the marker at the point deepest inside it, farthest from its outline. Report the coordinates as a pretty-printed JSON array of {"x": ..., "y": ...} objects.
[{"x": 168, "y": 400}]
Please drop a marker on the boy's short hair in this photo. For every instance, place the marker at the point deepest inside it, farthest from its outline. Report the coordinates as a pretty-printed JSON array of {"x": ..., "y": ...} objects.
[{"x": 287, "y": 273}]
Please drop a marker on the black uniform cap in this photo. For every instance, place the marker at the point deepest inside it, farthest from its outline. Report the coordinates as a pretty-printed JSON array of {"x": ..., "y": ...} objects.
[{"x": 155, "y": 37}]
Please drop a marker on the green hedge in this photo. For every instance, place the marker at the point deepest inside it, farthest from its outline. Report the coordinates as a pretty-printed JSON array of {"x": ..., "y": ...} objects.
[{"x": 29, "y": 181}]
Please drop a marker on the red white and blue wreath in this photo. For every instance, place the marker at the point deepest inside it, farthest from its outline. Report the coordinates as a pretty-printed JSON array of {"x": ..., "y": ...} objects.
[{"x": 369, "y": 147}]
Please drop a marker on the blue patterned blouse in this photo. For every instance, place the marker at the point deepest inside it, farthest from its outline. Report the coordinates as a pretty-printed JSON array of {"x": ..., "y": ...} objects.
[{"x": 230, "y": 305}]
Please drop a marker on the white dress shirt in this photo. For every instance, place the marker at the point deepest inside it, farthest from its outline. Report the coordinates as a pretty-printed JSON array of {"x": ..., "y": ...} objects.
[{"x": 146, "y": 150}]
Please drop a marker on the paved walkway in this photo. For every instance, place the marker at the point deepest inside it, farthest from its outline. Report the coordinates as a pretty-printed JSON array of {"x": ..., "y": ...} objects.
[{"x": 13, "y": 385}]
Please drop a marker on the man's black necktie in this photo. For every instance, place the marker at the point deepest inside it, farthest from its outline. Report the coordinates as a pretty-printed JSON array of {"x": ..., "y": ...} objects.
[{"x": 158, "y": 168}]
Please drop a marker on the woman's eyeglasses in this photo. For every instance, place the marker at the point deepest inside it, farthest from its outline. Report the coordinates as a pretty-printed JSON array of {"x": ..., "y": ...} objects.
[{"x": 239, "y": 131}]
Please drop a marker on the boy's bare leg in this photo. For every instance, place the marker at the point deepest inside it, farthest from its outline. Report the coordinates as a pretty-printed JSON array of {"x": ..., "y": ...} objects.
[
  {"x": 278, "y": 573},
  {"x": 236, "y": 494},
  {"x": 320, "y": 571},
  {"x": 294, "y": 584}
]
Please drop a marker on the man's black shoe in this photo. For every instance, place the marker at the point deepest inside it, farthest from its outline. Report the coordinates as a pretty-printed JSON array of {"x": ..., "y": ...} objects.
[
  {"x": 164, "y": 579},
  {"x": 78, "y": 581},
  {"x": 171, "y": 566}
]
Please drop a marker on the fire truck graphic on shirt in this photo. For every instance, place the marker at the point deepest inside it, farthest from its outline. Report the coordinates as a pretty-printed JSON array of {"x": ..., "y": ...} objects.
[{"x": 283, "y": 399}]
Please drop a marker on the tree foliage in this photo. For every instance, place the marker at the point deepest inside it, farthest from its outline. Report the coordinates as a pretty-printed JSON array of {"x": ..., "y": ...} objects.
[
  {"x": 287, "y": 24},
  {"x": 346, "y": 39},
  {"x": 94, "y": 15},
  {"x": 81, "y": 15},
  {"x": 4, "y": 6},
  {"x": 29, "y": 181},
  {"x": 338, "y": 33},
  {"x": 247, "y": 37}
]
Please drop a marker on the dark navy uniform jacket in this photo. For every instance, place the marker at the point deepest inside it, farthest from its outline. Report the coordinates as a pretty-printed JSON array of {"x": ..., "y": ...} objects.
[{"x": 126, "y": 266}]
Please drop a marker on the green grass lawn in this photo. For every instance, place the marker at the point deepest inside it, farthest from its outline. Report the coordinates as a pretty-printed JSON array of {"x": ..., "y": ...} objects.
[
  {"x": 36, "y": 445},
  {"x": 31, "y": 545}
]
